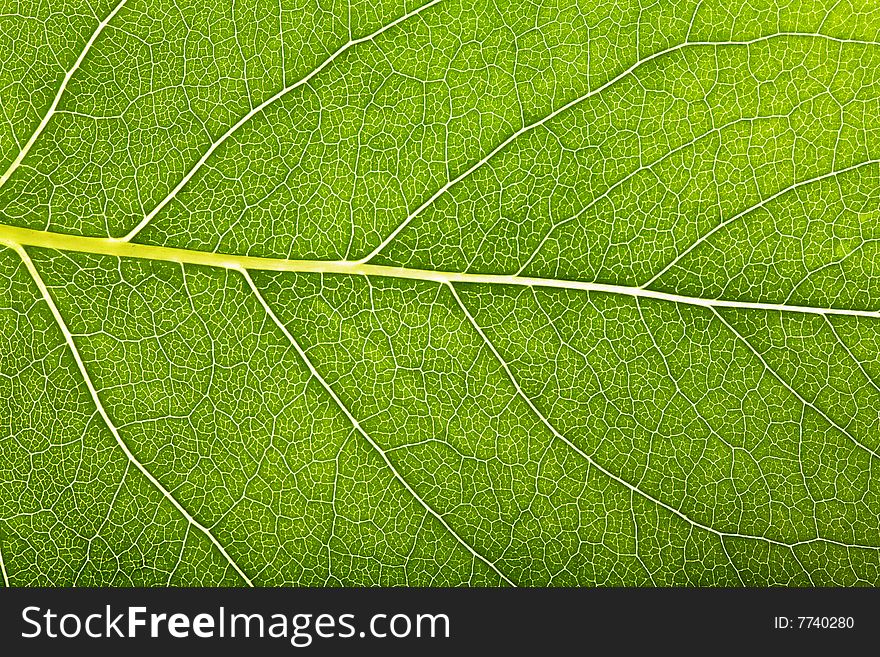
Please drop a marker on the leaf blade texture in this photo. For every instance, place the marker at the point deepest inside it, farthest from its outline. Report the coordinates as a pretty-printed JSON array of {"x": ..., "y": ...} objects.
[{"x": 440, "y": 293}]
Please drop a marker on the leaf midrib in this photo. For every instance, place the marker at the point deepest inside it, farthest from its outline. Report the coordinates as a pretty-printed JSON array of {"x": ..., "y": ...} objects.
[{"x": 14, "y": 236}]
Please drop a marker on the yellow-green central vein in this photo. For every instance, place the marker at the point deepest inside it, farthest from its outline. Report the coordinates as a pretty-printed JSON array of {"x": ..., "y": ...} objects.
[{"x": 14, "y": 236}]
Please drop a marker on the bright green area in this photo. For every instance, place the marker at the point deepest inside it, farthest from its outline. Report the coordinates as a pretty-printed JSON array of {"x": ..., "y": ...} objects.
[{"x": 339, "y": 429}]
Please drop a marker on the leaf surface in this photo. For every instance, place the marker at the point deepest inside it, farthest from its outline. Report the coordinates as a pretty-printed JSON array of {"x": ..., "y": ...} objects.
[{"x": 450, "y": 293}]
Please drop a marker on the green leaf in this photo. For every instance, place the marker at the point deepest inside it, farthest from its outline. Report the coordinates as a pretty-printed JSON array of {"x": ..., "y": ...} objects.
[{"x": 450, "y": 293}]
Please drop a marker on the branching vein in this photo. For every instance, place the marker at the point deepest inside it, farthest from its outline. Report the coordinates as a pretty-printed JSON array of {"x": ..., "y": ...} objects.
[
  {"x": 531, "y": 126},
  {"x": 51, "y": 111},
  {"x": 258, "y": 109},
  {"x": 357, "y": 425},
  {"x": 788, "y": 386},
  {"x": 760, "y": 204},
  {"x": 68, "y": 338},
  {"x": 3, "y": 567},
  {"x": 631, "y": 487}
]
